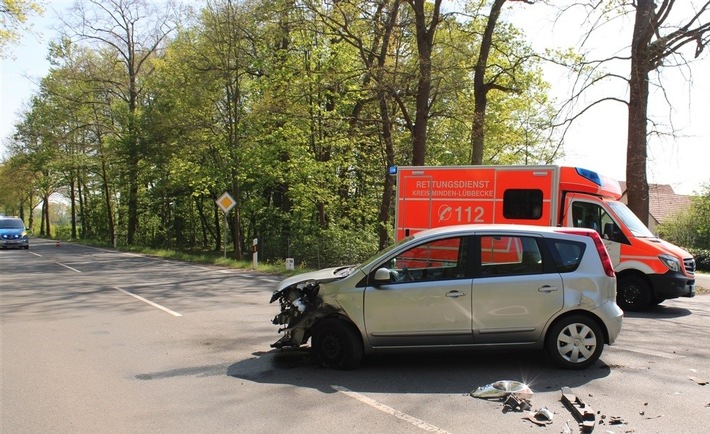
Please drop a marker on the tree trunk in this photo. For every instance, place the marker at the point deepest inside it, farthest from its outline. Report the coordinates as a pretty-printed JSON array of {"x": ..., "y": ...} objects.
[
  {"x": 218, "y": 227},
  {"x": 480, "y": 89},
  {"x": 45, "y": 216},
  {"x": 425, "y": 43},
  {"x": 107, "y": 198},
  {"x": 388, "y": 186},
  {"x": 72, "y": 202},
  {"x": 636, "y": 152}
]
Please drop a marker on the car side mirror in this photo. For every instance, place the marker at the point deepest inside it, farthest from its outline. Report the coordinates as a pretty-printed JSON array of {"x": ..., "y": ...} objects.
[
  {"x": 612, "y": 232},
  {"x": 382, "y": 276}
]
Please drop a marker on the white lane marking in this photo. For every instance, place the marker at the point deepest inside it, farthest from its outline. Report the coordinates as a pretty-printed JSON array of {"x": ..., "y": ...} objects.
[
  {"x": 66, "y": 266},
  {"x": 144, "y": 300},
  {"x": 389, "y": 410},
  {"x": 36, "y": 254}
]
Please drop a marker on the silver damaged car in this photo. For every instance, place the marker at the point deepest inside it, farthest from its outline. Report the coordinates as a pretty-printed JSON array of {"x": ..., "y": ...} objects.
[{"x": 492, "y": 286}]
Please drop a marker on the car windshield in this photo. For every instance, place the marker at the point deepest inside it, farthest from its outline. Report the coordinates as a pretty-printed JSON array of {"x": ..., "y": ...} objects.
[
  {"x": 11, "y": 224},
  {"x": 385, "y": 250},
  {"x": 637, "y": 228}
]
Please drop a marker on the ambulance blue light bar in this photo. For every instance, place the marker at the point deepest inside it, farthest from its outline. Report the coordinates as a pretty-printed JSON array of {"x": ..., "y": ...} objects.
[{"x": 590, "y": 175}]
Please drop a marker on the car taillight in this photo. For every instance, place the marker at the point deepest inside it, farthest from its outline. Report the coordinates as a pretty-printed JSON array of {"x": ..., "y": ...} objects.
[{"x": 599, "y": 244}]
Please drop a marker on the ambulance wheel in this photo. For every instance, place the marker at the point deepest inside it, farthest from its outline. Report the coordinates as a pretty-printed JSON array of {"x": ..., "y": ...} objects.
[{"x": 633, "y": 293}]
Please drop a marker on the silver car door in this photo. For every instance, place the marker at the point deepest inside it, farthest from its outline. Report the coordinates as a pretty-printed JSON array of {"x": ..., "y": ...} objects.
[
  {"x": 513, "y": 298},
  {"x": 427, "y": 303}
]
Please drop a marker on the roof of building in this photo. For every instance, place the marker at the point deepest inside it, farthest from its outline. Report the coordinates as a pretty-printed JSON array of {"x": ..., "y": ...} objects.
[{"x": 663, "y": 201}]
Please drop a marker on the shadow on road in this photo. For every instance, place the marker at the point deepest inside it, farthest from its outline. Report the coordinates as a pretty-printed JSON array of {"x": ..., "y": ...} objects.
[
  {"x": 458, "y": 372},
  {"x": 660, "y": 311}
]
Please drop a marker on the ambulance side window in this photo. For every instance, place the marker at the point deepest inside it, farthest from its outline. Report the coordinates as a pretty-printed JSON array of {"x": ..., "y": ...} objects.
[
  {"x": 587, "y": 215},
  {"x": 522, "y": 204},
  {"x": 590, "y": 215}
]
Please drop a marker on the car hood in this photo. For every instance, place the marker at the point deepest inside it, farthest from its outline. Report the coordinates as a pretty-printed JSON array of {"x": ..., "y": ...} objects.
[
  {"x": 322, "y": 276},
  {"x": 667, "y": 247}
]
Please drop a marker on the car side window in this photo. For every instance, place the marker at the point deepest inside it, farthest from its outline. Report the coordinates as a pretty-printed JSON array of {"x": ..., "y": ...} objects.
[
  {"x": 510, "y": 255},
  {"x": 566, "y": 254},
  {"x": 436, "y": 260}
]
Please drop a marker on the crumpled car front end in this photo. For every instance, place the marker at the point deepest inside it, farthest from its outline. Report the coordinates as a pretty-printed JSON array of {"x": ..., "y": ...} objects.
[
  {"x": 301, "y": 301},
  {"x": 297, "y": 304}
]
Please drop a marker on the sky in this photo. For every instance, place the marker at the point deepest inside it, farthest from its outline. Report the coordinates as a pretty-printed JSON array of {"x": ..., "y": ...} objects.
[{"x": 597, "y": 141}]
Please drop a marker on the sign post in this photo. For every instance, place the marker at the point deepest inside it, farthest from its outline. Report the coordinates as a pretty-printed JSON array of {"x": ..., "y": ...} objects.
[
  {"x": 226, "y": 202},
  {"x": 255, "y": 252}
]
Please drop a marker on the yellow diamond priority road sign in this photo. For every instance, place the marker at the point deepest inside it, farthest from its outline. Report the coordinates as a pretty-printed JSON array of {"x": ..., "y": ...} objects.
[{"x": 226, "y": 202}]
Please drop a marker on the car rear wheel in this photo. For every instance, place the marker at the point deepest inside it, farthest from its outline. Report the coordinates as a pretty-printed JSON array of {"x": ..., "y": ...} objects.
[
  {"x": 633, "y": 294},
  {"x": 337, "y": 344},
  {"x": 575, "y": 342}
]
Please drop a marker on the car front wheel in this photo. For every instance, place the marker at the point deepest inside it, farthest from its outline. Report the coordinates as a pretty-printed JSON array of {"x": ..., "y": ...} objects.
[
  {"x": 337, "y": 344},
  {"x": 575, "y": 342}
]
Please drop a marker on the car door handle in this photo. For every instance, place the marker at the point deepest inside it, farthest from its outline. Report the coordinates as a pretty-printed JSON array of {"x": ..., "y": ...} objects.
[
  {"x": 547, "y": 288},
  {"x": 455, "y": 294}
]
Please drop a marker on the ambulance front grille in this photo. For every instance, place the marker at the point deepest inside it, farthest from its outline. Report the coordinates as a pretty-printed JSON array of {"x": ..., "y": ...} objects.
[{"x": 689, "y": 264}]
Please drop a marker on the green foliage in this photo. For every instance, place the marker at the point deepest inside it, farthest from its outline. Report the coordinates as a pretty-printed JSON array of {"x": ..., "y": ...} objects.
[
  {"x": 281, "y": 106},
  {"x": 702, "y": 259},
  {"x": 690, "y": 228},
  {"x": 13, "y": 19},
  {"x": 331, "y": 247}
]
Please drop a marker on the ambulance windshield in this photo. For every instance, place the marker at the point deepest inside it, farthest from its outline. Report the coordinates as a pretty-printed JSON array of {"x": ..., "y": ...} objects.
[{"x": 637, "y": 228}]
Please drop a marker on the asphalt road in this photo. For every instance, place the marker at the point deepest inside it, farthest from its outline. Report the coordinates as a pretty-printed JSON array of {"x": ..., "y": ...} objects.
[
  {"x": 702, "y": 282},
  {"x": 100, "y": 341}
]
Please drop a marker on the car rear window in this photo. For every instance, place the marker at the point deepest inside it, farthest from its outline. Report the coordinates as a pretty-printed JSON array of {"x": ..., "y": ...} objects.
[{"x": 566, "y": 254}]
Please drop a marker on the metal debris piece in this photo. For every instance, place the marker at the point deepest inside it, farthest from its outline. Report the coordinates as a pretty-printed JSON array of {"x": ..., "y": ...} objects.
[
  {"x": 541, "y": 417},
  {"x": 580, "y": 410},
  {"x": 616, "y": 420},
  {"x": 502, "y": 389},
  {"x": 514, "y": 403}
]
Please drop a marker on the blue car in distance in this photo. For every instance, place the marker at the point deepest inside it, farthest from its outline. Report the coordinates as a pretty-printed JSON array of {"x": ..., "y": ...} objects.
[{"x": 13, "y": 233}]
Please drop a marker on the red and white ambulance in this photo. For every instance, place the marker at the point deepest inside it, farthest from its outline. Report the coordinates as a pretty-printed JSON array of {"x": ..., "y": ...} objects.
[{"x": 649, "y": 270}]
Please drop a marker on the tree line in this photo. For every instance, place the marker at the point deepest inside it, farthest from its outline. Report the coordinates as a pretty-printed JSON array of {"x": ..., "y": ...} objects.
[{"x": 296, "y": 108}]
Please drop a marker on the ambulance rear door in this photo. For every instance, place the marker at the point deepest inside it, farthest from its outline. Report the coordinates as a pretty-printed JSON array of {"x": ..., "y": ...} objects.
[{"x": 526, "y": 195}]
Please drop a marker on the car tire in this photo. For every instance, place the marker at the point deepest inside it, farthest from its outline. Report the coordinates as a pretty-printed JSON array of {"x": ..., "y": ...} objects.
[
  {"x": 336, "y": 344},
  {"x": 633, "y": 293},
  {"x": 575, "y": 342}
]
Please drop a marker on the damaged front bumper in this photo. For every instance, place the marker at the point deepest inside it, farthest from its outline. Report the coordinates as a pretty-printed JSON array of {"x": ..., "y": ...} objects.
[
  {"x": 299, "y": 303},
  {"x": 301, "y": 298}
]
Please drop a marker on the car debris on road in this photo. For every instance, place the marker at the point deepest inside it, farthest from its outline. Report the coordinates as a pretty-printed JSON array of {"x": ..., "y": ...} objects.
[
  {"x": 503, "y": 389},
  {"x": 580, "y": 410},
  {"x": 541, "y": 417}
]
